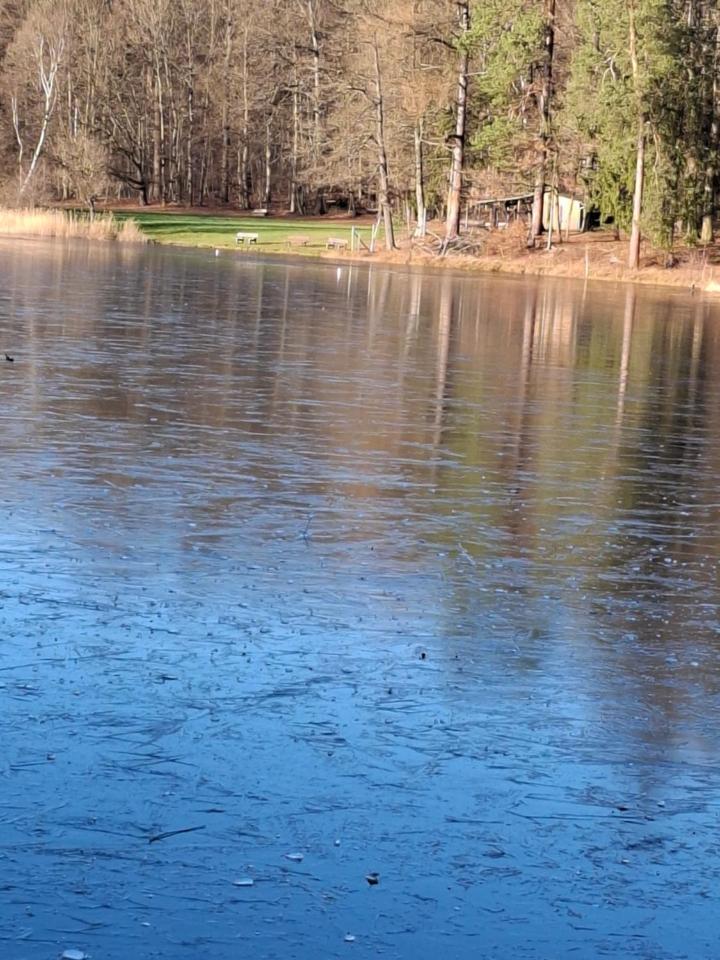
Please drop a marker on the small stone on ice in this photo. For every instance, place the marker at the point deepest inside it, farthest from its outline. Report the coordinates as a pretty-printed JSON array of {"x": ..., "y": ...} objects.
[
  {"x": 295, "y": 857},
  {"x": 244, "y": 882},
  {"x": 74, "y": 955}
]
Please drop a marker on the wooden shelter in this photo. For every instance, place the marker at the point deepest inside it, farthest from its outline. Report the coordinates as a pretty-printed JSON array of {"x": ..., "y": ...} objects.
[{"x": 493, "y": 213}]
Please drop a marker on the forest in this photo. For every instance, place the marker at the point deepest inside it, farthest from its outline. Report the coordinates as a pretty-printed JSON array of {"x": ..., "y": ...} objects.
[{"x": 404, "y": 107}]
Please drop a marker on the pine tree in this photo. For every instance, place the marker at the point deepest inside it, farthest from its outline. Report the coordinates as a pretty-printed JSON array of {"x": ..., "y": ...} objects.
[{"x": 625, "y": 96}]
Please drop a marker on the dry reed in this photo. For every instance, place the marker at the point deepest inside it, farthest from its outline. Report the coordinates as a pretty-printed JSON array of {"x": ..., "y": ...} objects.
[{"x": 67, "y": 224}]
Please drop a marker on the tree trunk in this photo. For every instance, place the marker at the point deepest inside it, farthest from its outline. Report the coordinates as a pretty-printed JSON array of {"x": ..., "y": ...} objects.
[
  {"x": 172, "y": 180},
  {"x": 189, "y": 180},
  {"x": 268, "y": 167},
  {"x": 710, "y": 178},
  {"x": 420, "y": 181},
  {"x": 544, "y": 106},
  {"x": 245, "y": 175},
  {"x": 635, "y": 234},
  {"x": 225, "y": 156},
  {"x": 48, "y": 77},
  {"x": 383, "y": 178},
  {"x": 295, "y": 143},
  {"x": 18, "y": 136},
  {"x": 158, "y": 141},
  {"x": 315, "y": 47},
  {"x": 452, "y": 217}
]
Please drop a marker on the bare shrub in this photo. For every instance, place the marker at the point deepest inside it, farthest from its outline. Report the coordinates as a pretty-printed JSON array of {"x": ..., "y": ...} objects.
[
  {"x": 129, "y": 232},
  {"x": 507, "y": 242}
]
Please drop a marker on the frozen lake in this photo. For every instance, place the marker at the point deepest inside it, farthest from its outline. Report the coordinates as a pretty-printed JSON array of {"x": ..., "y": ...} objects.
[{"x": 355, "y": 571}]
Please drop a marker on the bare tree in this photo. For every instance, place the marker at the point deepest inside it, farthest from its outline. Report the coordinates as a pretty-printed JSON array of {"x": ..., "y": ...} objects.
[
  {"x": 34, "y": 60},
  {"x": 84, "y": 161}
]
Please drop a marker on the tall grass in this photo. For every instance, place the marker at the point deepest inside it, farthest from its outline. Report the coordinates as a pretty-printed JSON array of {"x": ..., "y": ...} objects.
[{"x": 67, "y": 224}]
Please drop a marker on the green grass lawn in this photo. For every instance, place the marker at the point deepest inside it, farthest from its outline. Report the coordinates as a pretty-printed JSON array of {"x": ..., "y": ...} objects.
[{"x": 206, "y": 231}]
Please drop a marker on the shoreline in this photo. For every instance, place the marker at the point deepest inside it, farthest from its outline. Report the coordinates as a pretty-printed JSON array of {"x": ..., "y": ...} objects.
[
  {"x": 690, "y": 279},
  {"x": 585, "y": 256},
  {"x": 593, "y": 256}
]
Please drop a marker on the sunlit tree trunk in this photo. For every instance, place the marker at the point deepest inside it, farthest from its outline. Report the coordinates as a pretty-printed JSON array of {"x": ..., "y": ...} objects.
[
  {"x": 245, "y": 176},
  {"x": 225, "y": 157},
  {"x": 635, "y": 232},
  {"x": 383, "y": 178},
  {"x": 420, "y": 181},
  {"x": 48, "y": 56},
  {"x": 452, "y": 217},
  {"x": 710, "y": 177},
  {"x": 267, "y": 192},
  {"x": 315, "y": 47},
  {"x": 544, "y": 105},
  {"x": 189, "y": 179},
  {"x": 292, "y": 198}
]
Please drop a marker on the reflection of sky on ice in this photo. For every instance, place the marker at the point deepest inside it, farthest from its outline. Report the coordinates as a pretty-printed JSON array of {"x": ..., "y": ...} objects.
[{"x": 242, "y": 500}]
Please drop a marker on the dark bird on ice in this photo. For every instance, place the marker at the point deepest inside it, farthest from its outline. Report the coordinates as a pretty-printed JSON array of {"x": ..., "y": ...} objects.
[{"x": 9, "y": 358}]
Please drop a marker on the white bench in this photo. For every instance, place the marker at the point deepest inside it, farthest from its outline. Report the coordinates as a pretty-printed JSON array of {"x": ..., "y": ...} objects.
[
  {"x": 336, "y": 243},
  {"x": 260, "y": 212},
  {"x": 244, "y": 238}
]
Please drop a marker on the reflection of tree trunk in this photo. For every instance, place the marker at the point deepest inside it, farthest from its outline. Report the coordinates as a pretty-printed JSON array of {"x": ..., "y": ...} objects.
[
  {"x": 445, "y": 318},
  {"x": 527, "y": 354},
  {"x": 413, "y": 317},
  {"x": 628, "y": 322},
  {"x": 283, "y": 327},
  {"x": 260, "y": 284},
  {"x": 528, "y": 341},
  {"x": 695, "y": 352},
  {"x": 517, "y": 462},
  {"x": 377, "y": 298}
]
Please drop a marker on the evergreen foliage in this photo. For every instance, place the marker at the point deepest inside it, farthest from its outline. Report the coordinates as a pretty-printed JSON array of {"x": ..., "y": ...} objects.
[{"x": 250, "y": 102}]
